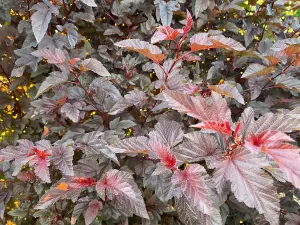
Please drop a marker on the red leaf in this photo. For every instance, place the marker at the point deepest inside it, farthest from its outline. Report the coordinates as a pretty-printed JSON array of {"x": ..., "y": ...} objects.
[
  {"x": 163, "y": 153},
  {"x": 188, "y": 24},
  {"x": 165, "y": 33},
  {"x": 237, "y": 129},
  {"x": 73, "y": 61},
  {"x": 220, "y": 127}
]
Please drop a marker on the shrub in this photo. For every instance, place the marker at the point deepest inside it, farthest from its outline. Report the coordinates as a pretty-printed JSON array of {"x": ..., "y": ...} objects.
[{"x": 142, "y": 112}]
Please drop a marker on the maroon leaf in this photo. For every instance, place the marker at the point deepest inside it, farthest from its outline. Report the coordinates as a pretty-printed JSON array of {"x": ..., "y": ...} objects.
[
  {"x": 131, "y": 145},
  {"x": 197, "y": 146},
  {"x": 119, "y": 186},
  {"x": 63, "y": 159},
  {"x": 92, "y": 211},
  {"x": 55, "y": 56}
]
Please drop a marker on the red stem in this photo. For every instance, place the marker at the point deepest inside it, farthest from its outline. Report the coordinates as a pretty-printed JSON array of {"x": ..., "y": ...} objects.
[
  {"x": 283, "y": 71},
  {"x": 65, "y": 10}
]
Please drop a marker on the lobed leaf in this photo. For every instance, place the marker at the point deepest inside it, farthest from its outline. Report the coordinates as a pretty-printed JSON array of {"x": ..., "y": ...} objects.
[
  {"x": 248, "y": 183},
  {"x": 95, "y": 66},
  {"x": 119, "y": 186},
  {"x": 205, "y": 109},
  {"x": 51, "y": 81},
  {"x": 150, "y": 51}
]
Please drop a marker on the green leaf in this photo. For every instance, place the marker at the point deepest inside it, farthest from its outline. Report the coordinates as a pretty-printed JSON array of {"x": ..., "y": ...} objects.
[{"x": 20, "y": 213}]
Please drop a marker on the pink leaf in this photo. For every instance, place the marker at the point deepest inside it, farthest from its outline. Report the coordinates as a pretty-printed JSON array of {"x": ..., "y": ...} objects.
[
  {"x": 205, "y": 109},
  {"x": 166, "y": 135},
  {"x": 191, "y": 183},
  {"x": 228, "y": 89},
  {"x": 223, "y": 128},
  {"x": 120, "y": 187},
  {"x": 261, "y": 141},
  {"x": 220, "y": 41},
  {"x": 237, "y": 129},
  {"x": 55, "y": 56},
  {"x": 26, "y": 152},
  {"x": 248, "y": 182},
  {"x": 191, "y": 57},
  {"x": 287, "y": 157},
  {"x": 200, "y": 41},
  {"x": 92, "y": 211},
  {"x": 41, "y": 169},
  {"x": 284, "y": 154},
  {"x": 162, "y": 152},
  {"x": 165, "y": 33}
]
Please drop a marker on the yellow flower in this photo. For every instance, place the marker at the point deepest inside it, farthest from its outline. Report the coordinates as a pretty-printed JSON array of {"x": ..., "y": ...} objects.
[
  {"x": 9, "y": 222},
  {"x": 17, "y": 204}
]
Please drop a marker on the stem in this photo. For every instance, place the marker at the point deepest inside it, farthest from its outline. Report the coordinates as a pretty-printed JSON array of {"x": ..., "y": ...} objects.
[
  {"x": 283, "y": 71},
  {"x": 166, "y": 74},
  {"x": 65, "y": 10},
  {"x": 176, "y": 60},
  {"x": 149, "y": 114},
  {"x": 28, "y": 7},
  {"x": 76, "y": 76},
  {"x": 226, "y": 141}
]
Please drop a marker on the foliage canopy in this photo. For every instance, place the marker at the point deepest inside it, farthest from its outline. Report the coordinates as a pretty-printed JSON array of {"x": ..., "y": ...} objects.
[{"x": 149, "y": 112}]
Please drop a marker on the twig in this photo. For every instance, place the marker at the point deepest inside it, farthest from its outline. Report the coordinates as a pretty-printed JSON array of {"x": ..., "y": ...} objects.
[
  {"x": 76, "y": 76},
  {"x": 282, "y": 72},
  {"x": 65, "y": 11}
]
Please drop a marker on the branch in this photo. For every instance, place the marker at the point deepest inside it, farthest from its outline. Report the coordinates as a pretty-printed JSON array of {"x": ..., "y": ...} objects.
[{"x": 282, "y": 72}]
